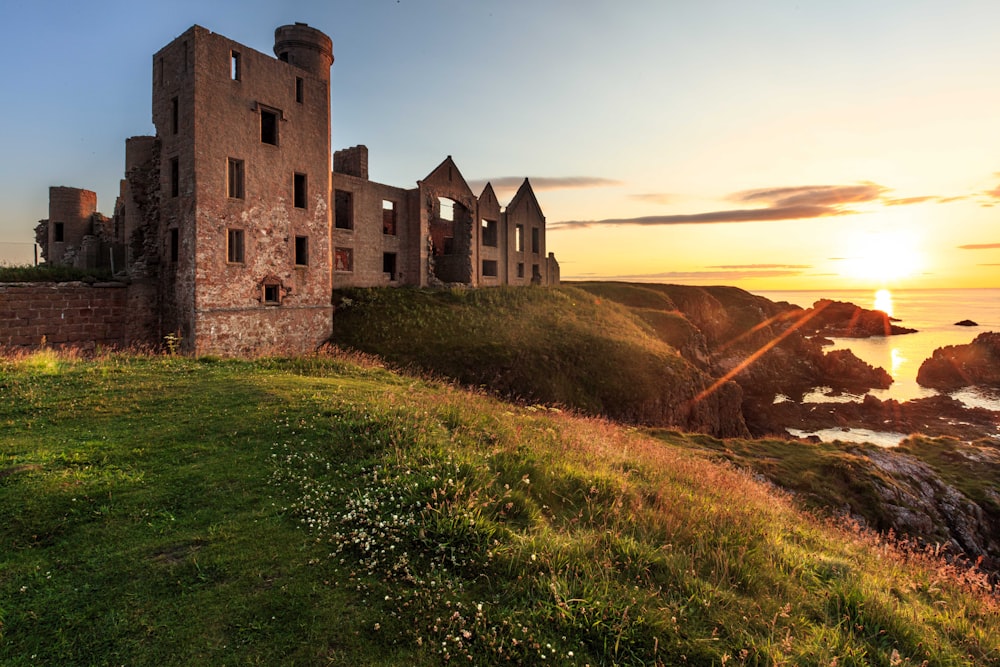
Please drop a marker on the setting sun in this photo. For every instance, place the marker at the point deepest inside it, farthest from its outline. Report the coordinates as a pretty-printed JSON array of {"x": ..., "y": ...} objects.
[{"x": 882, "y": 256}]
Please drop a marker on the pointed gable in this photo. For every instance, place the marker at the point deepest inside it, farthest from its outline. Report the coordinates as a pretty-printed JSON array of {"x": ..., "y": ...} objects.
[
  {"x": 488, "y": 198},
  {"x": 525, "y": 197},
  {"x": 446, "y": 176}
]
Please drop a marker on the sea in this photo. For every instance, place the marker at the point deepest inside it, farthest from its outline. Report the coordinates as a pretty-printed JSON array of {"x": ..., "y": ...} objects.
[{"x": 933, "y": 313}]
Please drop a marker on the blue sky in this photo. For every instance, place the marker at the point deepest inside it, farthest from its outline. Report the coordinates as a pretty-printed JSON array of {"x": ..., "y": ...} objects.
[{"x": 768, "y": 144}]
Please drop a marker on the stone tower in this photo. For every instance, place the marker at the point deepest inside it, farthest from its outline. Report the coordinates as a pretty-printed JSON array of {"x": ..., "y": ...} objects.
[{"x": 243, "y": 154}]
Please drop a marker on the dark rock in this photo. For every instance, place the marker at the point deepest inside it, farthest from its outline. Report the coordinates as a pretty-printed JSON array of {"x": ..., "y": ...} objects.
[
  {"x": 840, "y": 319},
  {"x": 956, "y": 366},
  {"x": 966, "y": 323}
]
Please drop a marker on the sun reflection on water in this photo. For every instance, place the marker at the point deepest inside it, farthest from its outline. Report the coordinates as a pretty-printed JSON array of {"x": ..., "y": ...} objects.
[{"x": 883, "y": 301}]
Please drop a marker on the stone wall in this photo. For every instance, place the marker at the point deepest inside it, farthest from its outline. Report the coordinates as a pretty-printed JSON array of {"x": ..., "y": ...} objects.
[{"x": 63, "y": 314}]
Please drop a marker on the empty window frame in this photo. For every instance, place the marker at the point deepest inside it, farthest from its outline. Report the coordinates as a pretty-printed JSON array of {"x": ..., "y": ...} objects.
[
  {"x": 175, "y": 245},
  {"x": 489, "y": 268},
  {"x": 175, "y": 115},
  {"x": 343, "y": 259},
  {"x": 235, "y": 66},
  {"x": 271, "y": 293},
  {"x": 235, "y": 176},
  {"x": 300, "y": 86},
  {"x": 234, "y": 246},
  {"x": 490, "y": 233},
  {"x": 175, "y": 177},
  {"x": 519, "y": 238},
  {"x": 520, "y": 269},
  {"x": 535, "y": 243},
  {"x": 301, "y": 251},
  {"x": 343, "y": 209},
  {"x": 388, "y": 217},
  {"x": 60, "y": 232},
  {"x": 269, "y": 126},
  {"x": 389, "y": 265},
  {"x": 300, "y": 192},
  {"x": 446, "y": 209}
]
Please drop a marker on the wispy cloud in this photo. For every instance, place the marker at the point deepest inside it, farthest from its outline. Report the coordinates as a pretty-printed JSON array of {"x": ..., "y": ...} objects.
[
  {"x": 681, "y": 276},
  {"x": 779, "y": 203},
  {"x": 761, "y": 266},
  {"x": 979, "y": 246},
  {"x": 654, "y": 197},
  {"x": 541, "y": 183}
]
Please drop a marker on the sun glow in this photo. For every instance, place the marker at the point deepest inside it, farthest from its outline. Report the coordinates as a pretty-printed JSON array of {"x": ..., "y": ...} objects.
[
  {"x": 883, "y": 301},
  {"x": 882, "y": 256}
]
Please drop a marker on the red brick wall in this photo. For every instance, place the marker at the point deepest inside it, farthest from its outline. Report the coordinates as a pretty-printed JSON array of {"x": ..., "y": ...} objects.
[{"x": 65, "y": 314}]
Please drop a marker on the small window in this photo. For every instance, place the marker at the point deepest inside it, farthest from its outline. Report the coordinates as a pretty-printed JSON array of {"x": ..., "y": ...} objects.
[
  {"x": 234, "y": 246},
  {"x": 272, "y": 293},
  {"x": 60, "y": 232},
  {"x": 301, "y": 251},
  {"x": 490, "y": 233},
  {"x": 519, "y": 238},
  {"x": 489, "y": 268},
  {"x": 175, "y": 177},
  {"x": 299, "y": 187},
  {"x": 536, "y": 275},
  {"x": 343, "y": 259},
  {"x": 175, "y": 245},
  {"x": 388, "y": 217},
  {"x": 343, "y": 210},
  {"x": 300, "y": 85},
  {"x": 269, "y": 127},
  {"x": 235, "y": 178},
  {"x": 389, "y": 265},
  {"x": 520, "y": 269},
  {"x": 175, "y": 115},
  {"x": 235, "y": 66},
  {"x": 534, "y": 240}
]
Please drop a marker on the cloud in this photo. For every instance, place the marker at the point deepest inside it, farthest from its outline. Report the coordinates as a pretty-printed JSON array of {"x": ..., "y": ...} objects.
[
  {"x": 761, "y": 266},
  {"x": 780, "y": 203},
  {"x": 700, "y": 276},
  {"x": 540, "y": 183},
  {"x": 979, "y": 246}
]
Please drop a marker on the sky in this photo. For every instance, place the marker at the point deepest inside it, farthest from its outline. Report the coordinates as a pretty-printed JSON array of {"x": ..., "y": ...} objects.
[{"x": 767, "y": 145}]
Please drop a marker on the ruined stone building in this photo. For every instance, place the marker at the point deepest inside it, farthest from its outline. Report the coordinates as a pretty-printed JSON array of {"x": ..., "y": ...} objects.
[{"x": 233, "y": 229}]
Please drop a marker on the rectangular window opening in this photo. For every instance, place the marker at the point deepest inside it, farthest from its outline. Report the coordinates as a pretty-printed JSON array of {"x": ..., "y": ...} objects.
[
  {"x": 343, "y": 210},
  {"x": 535, "y": 245},
  {"x": 388, "y": 217},
  {"x": 175, "y": 177},
  {"x": 300, "y": 84},
  {"x": 175, "y": 245},
  {"x": 343, "y": 259},
  {"x": 490, "y": 233},
  {"x": 235, "y": 187},
  {"x": 489, "y": 268},
  {"x": 519, "y": 238},
  {"x": 272, "y": 293},
  {"x": 300, "y": 194},
  {"x": 175, "y": 115},
  {"x": 235, "y": 66},
  {"x": 389, "y": 265},
  {"x": 301, "y": 251},
  {"x": 268, "y": 127},
  {"x": 234, "y": 246},
  {"x": 447, "y": 209},
  {"x": 520, "y": 269},
  {"x": 60, "y": 232}
]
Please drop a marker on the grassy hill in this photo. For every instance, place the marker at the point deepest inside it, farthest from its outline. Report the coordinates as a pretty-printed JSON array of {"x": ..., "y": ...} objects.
[{"x": 322, "y": 510}]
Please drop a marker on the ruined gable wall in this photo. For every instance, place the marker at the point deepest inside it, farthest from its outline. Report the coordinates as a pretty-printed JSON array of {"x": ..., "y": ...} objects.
[
  {"x": 489, "y": 209},
  {"x": 524, "y": 212},
  {"x": 459, "y": 267}
]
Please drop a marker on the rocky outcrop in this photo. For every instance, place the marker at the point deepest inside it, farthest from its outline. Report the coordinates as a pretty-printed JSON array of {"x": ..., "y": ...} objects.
[
  {"x": 956, "y": 366},
  {"x": 839, "y": 319},
  {"x": 966, "y": 323}
]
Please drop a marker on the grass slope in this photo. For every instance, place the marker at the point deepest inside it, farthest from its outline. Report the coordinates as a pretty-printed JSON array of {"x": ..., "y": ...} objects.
[{"x": 170, "y": 511}]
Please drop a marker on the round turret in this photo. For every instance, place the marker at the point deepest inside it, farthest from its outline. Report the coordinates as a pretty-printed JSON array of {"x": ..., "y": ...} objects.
[{"x": 304, "y": 47}]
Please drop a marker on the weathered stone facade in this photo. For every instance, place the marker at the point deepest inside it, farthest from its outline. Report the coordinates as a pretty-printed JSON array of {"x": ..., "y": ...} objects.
[{"x": 236, "y": 229}]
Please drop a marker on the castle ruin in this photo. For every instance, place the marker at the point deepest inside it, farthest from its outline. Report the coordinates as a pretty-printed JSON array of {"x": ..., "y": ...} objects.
[{"x": 233, "y": 229}]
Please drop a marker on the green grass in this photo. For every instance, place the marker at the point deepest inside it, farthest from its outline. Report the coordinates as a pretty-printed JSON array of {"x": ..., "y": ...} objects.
[
  {"x": 313, "y": 511},
  {"x": 50, "y": 273}
]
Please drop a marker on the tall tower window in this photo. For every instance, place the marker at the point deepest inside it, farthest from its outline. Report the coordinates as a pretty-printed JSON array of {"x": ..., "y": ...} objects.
[
  {"x": 234, "y": 246},
  {"x": 343, "y": 210},
  {"x": 301, "y": 251},
  {"x": 300, "y": 192},
  {"x": 235, "y": 66},
  {"x": 300, "y": 85},
  {"x": 388, "y": 217},
  {"x": 534, "y": 240},
  {"x": 268, "y": 127},
  {"x": 235, "y": 178},
  {"x": 60, "y": 232},
  {"x": 519, "y": 238}
]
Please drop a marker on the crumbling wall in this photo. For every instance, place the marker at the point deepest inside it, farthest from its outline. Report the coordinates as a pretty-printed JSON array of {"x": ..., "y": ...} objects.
[{"x": 63, "y": 314}]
